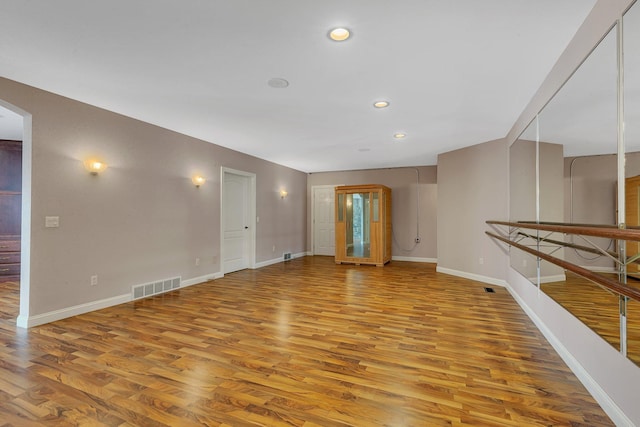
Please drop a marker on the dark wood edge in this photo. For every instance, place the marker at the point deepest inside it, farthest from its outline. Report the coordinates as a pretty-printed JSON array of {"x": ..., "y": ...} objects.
[{"x": 613, "y": 285}]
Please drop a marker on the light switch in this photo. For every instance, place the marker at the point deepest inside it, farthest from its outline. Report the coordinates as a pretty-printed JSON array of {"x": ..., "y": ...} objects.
[{"x": 51, "y": 221}]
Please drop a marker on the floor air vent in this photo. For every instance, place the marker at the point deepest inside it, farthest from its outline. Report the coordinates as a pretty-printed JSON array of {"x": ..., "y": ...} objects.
[
  {"x": 489, "y": 290},
  {"x": 286, "y": 256},
  {"x": 155, "y": 288}
]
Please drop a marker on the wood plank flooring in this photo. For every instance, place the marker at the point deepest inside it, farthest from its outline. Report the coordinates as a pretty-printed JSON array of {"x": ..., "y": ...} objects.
[{"x": 303, "y": 343}]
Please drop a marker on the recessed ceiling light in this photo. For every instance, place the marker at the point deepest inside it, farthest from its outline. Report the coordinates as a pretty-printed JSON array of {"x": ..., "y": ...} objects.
[
  {"x": 399, "y": 135},
  {"x": 381, "y": 104},
  {"x": 278, "y": 83},
  {"x": 339, "y": 34}
]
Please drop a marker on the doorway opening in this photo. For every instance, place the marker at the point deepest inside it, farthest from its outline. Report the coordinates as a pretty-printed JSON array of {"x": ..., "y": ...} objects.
[{"x": 15, "y": 223}]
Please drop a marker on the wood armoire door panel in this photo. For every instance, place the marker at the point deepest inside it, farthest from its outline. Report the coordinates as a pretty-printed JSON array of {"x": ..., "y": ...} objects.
[{"x": 632, "y": 217}]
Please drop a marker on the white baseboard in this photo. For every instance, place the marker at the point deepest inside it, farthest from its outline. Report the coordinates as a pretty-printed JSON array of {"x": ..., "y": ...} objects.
[
  {"x": 608, "y": 405},
  {"x": 277, "y": 260},
  {"x": 201, "y": 279},
  {"x": 549, "y": 279},
  {"x": 414, "y": 259},
  {"x": 472, "y": 276},
  {"x": 52, "y": 316}
]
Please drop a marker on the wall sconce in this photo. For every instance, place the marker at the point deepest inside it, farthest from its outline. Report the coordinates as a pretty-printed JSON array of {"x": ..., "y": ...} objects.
[
  {"x": 95, "y": 166},
  {"x": 283, "y": 194},
  {"x": 198, "y": 180}
]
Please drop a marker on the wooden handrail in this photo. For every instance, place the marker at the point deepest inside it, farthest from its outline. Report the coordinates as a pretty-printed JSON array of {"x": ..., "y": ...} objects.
[
  {"x": 613, "y": 285},
  {"x": 607, "y": 231}
]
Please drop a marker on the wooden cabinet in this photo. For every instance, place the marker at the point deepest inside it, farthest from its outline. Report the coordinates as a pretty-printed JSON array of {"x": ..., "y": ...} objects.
[
  {"x": 10, "y": 207},
  {"x": 363, "y": 224}
]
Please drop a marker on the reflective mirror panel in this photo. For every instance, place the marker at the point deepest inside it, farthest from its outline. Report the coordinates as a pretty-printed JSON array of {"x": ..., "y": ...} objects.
[
  {"x": 358, "y": 227},
  {"x": 631, "y": 34},
  {"x": 582, "y": 118},
  {"x": 523, "y": 203},
  {"x": 551, "y": 195}
]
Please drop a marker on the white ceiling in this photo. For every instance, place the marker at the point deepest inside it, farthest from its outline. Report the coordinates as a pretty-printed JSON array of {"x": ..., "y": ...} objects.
[{"x": 456, "y": 72}]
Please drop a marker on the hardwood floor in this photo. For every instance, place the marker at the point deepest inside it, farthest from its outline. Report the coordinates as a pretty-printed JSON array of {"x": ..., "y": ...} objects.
[
  {"x": 303, "y": 343},
  {"x": 599, "y": 310}
]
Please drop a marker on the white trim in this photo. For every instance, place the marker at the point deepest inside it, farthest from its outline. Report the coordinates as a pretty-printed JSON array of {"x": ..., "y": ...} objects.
[
  {"x": 252, "y": 213},
  {"x": 200, "y": 279},
  {"x": 414, "y": 259},
  {"x": 25, "y": 220},
  {"x": 471, "y": 276},
  {"x": 277, "y": 260},
  {"x": 549, "y": 279},
  {"x": 608, "y": 405},
  {"x": 52, "y": 316}
]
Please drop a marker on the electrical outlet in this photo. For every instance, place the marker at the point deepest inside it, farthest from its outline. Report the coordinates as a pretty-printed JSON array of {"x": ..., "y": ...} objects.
[
  {"x": 524, "y": 262},
  {"x": 481, "y": 261},
  {"x": 274, "y": 248},
  {"x": 94, "y": 280},
  {"x": 197, "y": 261}
]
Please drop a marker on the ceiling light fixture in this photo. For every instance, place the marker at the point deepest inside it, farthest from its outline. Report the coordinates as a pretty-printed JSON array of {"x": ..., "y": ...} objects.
[
  {"x": 339, "y": 34},
  {"x": 278, "y": 83},
  {"x": 399, "y": 135},
  {"x": 381, "y": 104}
]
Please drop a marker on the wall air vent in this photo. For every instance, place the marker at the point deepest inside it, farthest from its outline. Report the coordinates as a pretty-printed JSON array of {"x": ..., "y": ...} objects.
[
  {"x": 286, "y": 256},
  {"x": 155, "y": 288}
]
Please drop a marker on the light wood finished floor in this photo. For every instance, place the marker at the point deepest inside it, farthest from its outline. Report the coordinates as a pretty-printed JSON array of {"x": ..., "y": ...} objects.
[
  {"x": 302, "y": 343},
  {"x": 599, "y": 310}
]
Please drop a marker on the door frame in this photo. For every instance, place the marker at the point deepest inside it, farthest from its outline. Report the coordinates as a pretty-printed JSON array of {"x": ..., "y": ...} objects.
[
  {"x": 22, "y": 321},
  {"x": 251, "y": 203},
  {"x": 313, "y": 211}
]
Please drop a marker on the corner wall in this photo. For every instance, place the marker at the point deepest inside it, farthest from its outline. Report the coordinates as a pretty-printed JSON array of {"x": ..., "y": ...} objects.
[
  {"x": 142, "y": 219},
  {"x": 472, "y": 188}
]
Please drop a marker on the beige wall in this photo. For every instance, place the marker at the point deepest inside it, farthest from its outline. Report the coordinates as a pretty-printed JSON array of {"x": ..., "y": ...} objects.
[
  {"x": 141, "y": 220},
  {"x": 472, "y": 188},
  {"x": 403, "y": 182}
]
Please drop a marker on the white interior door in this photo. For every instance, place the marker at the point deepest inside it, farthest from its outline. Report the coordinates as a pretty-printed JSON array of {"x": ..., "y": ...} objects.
[
  {"x": 324, "y": 237},
  {"x": 237, "y": 224}
]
